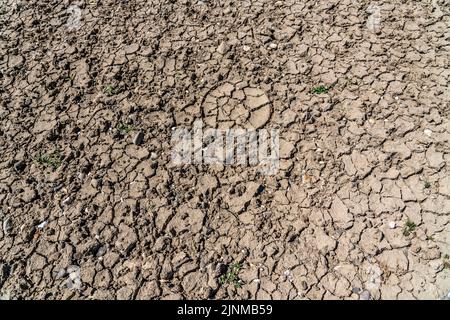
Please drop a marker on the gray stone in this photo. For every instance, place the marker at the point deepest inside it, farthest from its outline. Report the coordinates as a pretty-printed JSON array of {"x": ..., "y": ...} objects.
[
  {"x": 19, "y": 166},
  {"x": 7, "y": 226},
  {"x": 102, "y": 251},
  {"x": 365, "y": 295},
  {"x": 138, "y": 138},
  {"x": 304, "y": 285},
  {"x": 61, "y": 273},
  {"x": 356, "y": 290},
  {"x": 66, "y": 201}
]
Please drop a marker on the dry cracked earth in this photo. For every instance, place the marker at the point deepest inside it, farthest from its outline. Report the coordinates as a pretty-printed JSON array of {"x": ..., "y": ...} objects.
[{"x": 92, "y": 208}]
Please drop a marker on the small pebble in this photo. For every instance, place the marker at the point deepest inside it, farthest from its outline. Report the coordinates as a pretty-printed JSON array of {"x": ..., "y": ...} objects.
[
  {"x": 61, "y": 273},
  {"x": 66, "y": 201},
  {"x": 138, "y": 138},
  {"x": 101, "y": 251},
  {"x": 7, "y": 226},
  {"x": 428, "y": 132},
  {"x": 42, "y": 225},
  {"x": 73, "y": 275},
  {"x": 304, "y": 285},
  {"x": 73, "y": 269},
  {"x": 356, "y": 290},
  {"x": 273, "y": 46},
  {"x": 365, "y": 295},
  {"x": 19, "y": 166},
  {"x": 392, "y": 224}
]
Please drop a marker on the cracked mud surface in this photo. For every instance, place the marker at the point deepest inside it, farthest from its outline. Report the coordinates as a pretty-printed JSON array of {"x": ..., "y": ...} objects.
[{"x": 360, "y": 207}]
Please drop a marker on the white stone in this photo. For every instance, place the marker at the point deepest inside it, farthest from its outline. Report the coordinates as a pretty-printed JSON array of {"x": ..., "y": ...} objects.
[{"x": 42, "y": 225}]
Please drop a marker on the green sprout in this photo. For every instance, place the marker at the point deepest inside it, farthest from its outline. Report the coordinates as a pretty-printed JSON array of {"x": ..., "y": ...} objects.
[
  {"x": 71, "y": 78},
  {"x": 410, "y": 226},
  {"x": 52, "y": 160},
  {"x": 446, "y": 261},
  {"x": 320, "y": 90},
  {"x": 231, "y": 277},
  {"x": 111, "y": 90},
  {"x": 125, "y": 128}
]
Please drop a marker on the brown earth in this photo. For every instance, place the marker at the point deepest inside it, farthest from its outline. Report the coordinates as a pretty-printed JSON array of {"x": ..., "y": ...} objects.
[{"x": 360, "y": 207}]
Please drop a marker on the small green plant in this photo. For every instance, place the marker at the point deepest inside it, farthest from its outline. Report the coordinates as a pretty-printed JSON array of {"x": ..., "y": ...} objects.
[
  {"x": 319, "y": 90},
  {"x": 430, "y": 238},
  {"x": 410, "y": 226},
  {"x": 71, "y": 78},
  {"x": 231, "y": 277},
  {"x": 427, "y": 185},
  {"x": 446, "y": 261},
  {"x": 125, "y": 128},
  {"x": 111, "y": 90},
  {"x": 52, "y": 160}
]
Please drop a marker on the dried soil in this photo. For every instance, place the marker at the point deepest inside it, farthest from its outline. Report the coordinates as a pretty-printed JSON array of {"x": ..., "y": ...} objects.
[{"x": 359, "y": 209}]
